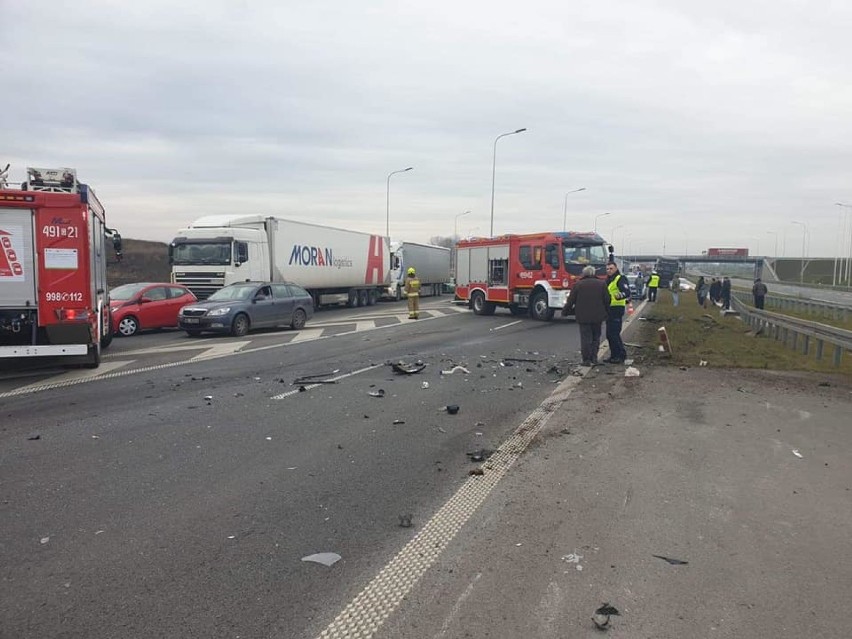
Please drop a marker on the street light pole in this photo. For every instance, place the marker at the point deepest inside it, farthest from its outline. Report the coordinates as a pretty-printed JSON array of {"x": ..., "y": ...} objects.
[
  {"x": 846, "y": 221},
  {"x": 804, "y": 234},
  {"x": 494, "y": 172},
  {"x": 565, "y": 208},
  {"x": 387, "y": 210},
  {"x": 456, "y": 227},
  {"x": 600, "y": 215},
  {"x": 775, "y": 233},
  {"x": 757, "y": 239},
  {"x": 612, "y": 235}
]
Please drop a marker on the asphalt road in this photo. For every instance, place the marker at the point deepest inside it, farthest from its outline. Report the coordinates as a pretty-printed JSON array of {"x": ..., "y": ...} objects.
[
  {"x": 840, "y": 298},
  {"x": 132, "y": 506}
]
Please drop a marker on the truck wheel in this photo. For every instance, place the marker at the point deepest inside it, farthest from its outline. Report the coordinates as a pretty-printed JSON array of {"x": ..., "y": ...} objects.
[
  {"x": 298, "y": 321},
  {"x": 516, "y": 310},
  {"x": 353, "y": 299},
  {"x": 539, "y": 309},
  {"x": 128, "y": 326},
  {"x": 363, "y": 298},
  {"x": 94, "y": 356},
  {"x": 398, "y": 294},
  {"x": 240, "y": 326},
  {"x": 480, "y": 306},
  {"x": 374, "y": 297},
  {"x": 106, "y": 331}
]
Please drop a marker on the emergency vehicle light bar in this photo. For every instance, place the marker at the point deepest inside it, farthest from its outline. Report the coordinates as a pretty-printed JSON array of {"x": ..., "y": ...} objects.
[{"x": 63, "y": 180}]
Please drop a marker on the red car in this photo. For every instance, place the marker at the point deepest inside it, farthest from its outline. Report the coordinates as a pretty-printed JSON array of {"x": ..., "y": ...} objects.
[{"x": 147, "y": 305}]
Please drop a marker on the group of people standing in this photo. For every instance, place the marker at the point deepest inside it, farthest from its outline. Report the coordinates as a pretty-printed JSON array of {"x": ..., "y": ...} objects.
[
  {"x": 594, "y": 301},
  {"x": 718, "y": 291}
]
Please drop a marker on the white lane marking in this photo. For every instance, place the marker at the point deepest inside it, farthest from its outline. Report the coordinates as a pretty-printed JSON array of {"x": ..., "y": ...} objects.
[
  {"x": 228, "y": 348},
  {"x": 306, "y": 335},
  {"x": 497, "y": 328},
  {"x": 75, "y": 377},
  {"x": 364, "y": 326},
  {"x": 365, "y": 614},
  {"x": 445, "y": 627},
  {"x": 330, "y": 379}
]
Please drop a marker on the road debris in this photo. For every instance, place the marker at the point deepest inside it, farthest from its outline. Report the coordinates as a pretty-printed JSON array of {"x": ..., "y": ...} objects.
[
  {"x": 408, "y": 369},
  {"x": 324, "y": 558},
  {"x": 377, "y": 393},
  {"x": 476, "y": 471},
  {"x": 797, "y": 453},
  {"x": 602, "y": 616},
  {"x": 424, "y": 385},
  {"x": 33, "y": 437},
  {"x": 398, "y": 421},
  {"x": 451, "y": 409},
  {"x": 702, "y": 362},
  {"x": 456, "y": 369},
  {"x": 44, "y": 540},
  {"x": 673, "y": 562},
  {"x": 480, "y": 455},
  {"x": 631, "y": 372},
  {"x": 405, "y": 520}
]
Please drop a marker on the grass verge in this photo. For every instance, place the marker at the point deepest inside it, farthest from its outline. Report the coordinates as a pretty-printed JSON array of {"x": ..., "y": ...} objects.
[{"x": 697, "y": 334}]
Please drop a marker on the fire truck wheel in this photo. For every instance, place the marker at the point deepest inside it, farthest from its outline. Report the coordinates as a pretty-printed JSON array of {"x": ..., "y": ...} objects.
[
  {"x": 516, "y": 310},
  {"x": 480, "y": 306},
  {"x": 128, "y": 326},
  {"x": 539, "y": 308},
  {"x": 93, "y": 356},
  {"x": 240, "y": 326}
]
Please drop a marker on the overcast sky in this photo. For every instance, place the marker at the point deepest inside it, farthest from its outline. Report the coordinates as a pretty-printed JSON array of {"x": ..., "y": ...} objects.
[{"x": 694, "y": 123}]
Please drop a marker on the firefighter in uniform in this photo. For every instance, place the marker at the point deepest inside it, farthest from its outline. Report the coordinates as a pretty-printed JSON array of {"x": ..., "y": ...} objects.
[
  {"x": 412, "y": 290},
  {"x": 653, "y": 285},
  {"x": 619, "y": 293}
]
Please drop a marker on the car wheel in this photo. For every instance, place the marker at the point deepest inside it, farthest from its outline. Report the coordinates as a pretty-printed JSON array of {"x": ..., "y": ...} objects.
[
  {"x": 240, "y": 326},
  {"x": 128, "y": 326},
  {"x": 299, "y": 319},
  {"x": 539, "y": 308}
]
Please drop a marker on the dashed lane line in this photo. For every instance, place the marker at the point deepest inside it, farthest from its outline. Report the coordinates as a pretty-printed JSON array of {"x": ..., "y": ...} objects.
[{"x": 366, "y": 613}]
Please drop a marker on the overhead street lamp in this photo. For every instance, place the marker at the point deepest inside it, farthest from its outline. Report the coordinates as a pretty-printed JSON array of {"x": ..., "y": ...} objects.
[
  {"x": 757, "y": 239},
  {"x": 565, "y": 208},
  {"x": 804, "y": 234},
  {"x": 456, "y": 227},
  {"x": 387, "y": 212},
  {"x": 600, "y": 215},
  {"x": 494, "y": 172},
  {"x": 846, "y": 220},
  {"x": 612, "y": 235}
]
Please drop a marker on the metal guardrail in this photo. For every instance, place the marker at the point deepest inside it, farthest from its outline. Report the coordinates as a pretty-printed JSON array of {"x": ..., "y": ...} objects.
[
  {"x": 804, "y": 305},
  {"x": 800, "y": 335}
]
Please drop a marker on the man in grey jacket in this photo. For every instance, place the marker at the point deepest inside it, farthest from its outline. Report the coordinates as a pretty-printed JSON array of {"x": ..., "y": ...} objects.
[{"x": 589, "y": 301}]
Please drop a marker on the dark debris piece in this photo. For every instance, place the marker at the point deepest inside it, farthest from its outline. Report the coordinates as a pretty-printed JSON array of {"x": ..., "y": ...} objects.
[
  {"x": 673, "y": 562},
  {"x": 480, "y": 455},
  {"x": 602, "y": 616},
  {"x": 407, "y": 369},
  {"x": 405, "y": 520},
  {"x": 34, "y": 437}
]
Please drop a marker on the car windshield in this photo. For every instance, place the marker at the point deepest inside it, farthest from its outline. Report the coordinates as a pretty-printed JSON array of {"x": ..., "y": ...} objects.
[
  {"x": 126, "y": 291},
  {"x": 201, "y": 253},
  {"x": 232, "y": 293}
]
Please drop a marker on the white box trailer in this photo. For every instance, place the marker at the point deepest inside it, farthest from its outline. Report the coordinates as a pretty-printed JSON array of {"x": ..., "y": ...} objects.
[
  {"x": 432, "y": 264},
  {"x": 334, "y": 265}
]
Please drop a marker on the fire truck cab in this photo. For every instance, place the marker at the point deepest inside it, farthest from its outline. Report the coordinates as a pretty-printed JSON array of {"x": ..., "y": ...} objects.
[
  {"x": 54, "y": 300},
  {"x": 528, "y": 274}
]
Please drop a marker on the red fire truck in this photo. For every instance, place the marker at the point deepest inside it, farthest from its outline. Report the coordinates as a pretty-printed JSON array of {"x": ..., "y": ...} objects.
[
  {"x": 526, "y": 273},
  {"x": 53, "y": 292}
]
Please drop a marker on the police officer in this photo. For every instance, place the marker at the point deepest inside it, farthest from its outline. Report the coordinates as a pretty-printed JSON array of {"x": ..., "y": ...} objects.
[
  {"x": 412, "y": 290},
  {"x": 653, "y": 285},
  {"x": 619, "y": 293}
]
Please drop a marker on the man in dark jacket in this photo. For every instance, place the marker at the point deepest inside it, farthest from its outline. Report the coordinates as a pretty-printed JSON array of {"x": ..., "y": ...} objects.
[
  {"x": 619, "y": 295},
  {"x": 589, "y": 301},
  {"x": 726, "y": 293},
  {"x": 759, "y": 292}
]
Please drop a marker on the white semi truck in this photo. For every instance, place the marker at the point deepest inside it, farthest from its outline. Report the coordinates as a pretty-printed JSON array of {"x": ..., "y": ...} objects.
[
  {"x": 334, "y": 265},
  {"x": 432, "y": 264}
]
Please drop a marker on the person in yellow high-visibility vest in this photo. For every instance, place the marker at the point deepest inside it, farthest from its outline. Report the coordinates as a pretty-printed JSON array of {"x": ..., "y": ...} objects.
[
  {"x": 412, "y": 290},
  {"x": 653, "y": 285}
]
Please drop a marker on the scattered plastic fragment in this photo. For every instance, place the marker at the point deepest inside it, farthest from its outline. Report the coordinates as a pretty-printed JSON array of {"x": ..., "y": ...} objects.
[
  {"x": 602, "y": 616},
  {"x": 408, "y": 369},
  {"x": 405, "y": 520},
  {"x": 98, "y": 532},
  {"x": 424, "y": 385},
  {"x": 476, "y": 471},
  {"x": 673, "y": 562},
  {"x": 702, "y": 362},
  {"x": 628, "y": 362},
  {"x": 232, "y": 536},
  {"x": 480, "y": 455},
  {"x": 34, "y": 437},
  {"x": 269, "y": 439},
  {"x": 377, "y": 393},
  {"x": 398, "y": 421},
  {"x": 208, "y": 398},
  {"x": 324, "y": 558},
  {"x": 44, "y": 540},
  {"x": 631, "y": 372},
  {"x": 441, "y": 430},
  {"x": 456, "y": 369},
  {"x": 302, "y": 389},
  {"x": 797, "y": 454},
  {"x": 452, "y": 409}
]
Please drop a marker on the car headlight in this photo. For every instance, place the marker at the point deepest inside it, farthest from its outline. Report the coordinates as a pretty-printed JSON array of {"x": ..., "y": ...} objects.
[{"x": 216, "y": 312}]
